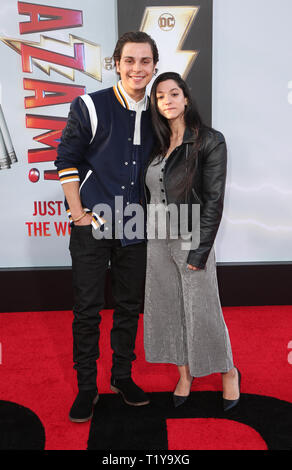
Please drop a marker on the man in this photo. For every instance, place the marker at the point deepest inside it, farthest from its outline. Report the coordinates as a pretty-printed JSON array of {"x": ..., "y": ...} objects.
[{"x": 103, "y": 149}]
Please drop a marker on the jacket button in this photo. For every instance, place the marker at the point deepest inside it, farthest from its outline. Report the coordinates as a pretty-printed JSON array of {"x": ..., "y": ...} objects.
[
  {"x": 129, "y": 138},
  {"x": 123, "y": 187},
  {"x": 162, "y": 190},
  {"x": 126, "y": 163},
  {"x": 163, "y": 200}
]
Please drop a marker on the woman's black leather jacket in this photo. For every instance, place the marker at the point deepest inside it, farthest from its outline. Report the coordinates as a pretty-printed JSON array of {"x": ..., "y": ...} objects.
[{"x": 207, "y": 188}]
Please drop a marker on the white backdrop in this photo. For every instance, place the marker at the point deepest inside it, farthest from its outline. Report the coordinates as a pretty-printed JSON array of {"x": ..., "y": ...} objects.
[{"x": 252, "y": 73}]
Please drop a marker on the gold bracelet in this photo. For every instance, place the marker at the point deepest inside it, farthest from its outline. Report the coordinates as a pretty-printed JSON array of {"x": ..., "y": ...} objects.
[{"x": 83, "y": 215}]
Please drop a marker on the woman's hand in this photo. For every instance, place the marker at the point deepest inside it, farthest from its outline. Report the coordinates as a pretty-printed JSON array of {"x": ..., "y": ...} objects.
[{"x": 193, "y": 268}]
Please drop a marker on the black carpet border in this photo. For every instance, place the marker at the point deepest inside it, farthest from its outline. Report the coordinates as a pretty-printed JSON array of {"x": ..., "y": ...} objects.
[{"x": 20, "y": 428}]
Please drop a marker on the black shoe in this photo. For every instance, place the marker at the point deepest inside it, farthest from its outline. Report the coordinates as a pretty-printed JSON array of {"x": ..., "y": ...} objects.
[
  {"x": 228, "y": 404},
  {"x": 131, "y": 393},
  {"x": 178, "y": 400},
  {"x": 82, "y": 408}
]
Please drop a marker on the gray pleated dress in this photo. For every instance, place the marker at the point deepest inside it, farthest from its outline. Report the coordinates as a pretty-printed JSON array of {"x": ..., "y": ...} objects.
[{"x": 183, "y": 321}]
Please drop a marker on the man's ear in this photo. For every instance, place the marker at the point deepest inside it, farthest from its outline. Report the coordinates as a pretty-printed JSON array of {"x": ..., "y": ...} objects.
[{"x": 118, "y": 66}]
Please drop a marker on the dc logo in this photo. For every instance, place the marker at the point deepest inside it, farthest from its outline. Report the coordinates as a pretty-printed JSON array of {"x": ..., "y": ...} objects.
[{"x": 166, "y": 22}]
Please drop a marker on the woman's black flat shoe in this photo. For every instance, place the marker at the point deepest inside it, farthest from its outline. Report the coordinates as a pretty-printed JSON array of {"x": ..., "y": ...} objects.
[
  {"x": 178, "y": 400},
  {"x": 229, "y": 404}
]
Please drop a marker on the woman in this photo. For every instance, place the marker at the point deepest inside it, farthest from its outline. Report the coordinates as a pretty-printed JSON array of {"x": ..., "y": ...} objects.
[{"x": 183, "y": 321}]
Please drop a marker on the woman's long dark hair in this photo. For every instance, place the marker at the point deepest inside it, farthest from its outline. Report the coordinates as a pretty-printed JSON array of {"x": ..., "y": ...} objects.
[{"x": 162, "y": 129}]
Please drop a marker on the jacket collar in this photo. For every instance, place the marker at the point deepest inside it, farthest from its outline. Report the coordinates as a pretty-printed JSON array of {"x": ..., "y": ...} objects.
[
  {"x": 127, "y": 102},
  {"x": 189, "y": 136}
]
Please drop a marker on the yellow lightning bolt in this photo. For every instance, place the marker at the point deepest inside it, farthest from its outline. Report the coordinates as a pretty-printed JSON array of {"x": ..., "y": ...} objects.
[
  {"x": 169, "y": 39},
  {"x": 92, "y": 54}
]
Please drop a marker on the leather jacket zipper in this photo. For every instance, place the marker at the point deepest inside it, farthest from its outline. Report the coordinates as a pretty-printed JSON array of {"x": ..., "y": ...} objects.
[{"x": 165, "y": 166}]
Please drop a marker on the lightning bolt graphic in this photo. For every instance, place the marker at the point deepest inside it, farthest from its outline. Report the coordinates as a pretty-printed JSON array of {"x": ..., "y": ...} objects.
[
  {"x": 170, "y": 41},
  {"x": 92, "y": 55}
]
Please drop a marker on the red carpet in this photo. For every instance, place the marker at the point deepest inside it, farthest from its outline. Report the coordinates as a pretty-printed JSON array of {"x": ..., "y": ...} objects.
[
  {"x": 36, "y": 373},
  {"x": 210, "y": 434}
]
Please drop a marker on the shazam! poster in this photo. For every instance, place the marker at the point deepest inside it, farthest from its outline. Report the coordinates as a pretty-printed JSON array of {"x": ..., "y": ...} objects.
[{"x": 52, "y": 52}]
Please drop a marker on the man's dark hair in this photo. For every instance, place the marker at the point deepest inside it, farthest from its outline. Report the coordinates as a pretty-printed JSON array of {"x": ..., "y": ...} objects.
[{"x": 135, "y": 36}]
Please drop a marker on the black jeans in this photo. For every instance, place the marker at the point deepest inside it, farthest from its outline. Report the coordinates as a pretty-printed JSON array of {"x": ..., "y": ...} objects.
[{"x": 90, "y": 261}]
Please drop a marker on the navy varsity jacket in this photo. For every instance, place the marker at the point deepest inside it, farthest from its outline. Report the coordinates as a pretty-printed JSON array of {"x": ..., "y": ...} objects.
[{"x": 97, "y": 149}]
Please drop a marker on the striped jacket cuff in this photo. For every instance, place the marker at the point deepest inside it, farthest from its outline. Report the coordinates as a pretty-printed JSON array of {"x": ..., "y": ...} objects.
[
  {"x": 68, "y": 175},
  {"x": 97, "y": 221}
]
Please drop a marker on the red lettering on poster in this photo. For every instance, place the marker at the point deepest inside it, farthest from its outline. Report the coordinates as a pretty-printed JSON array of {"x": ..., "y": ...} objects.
[
  {"x": 50, "y": 93},
  {"x": 30, "y": 52},
  {"x": 56, "y": 18},
  {"x": 46, "y": 228},
  {"x": 62, "y": 228},
  {"x": 47, "y": 208},
  {"x": 56, "y": 124},
  {"x": 40, "y": 18},
  {"x": 38, "y": 229}
]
